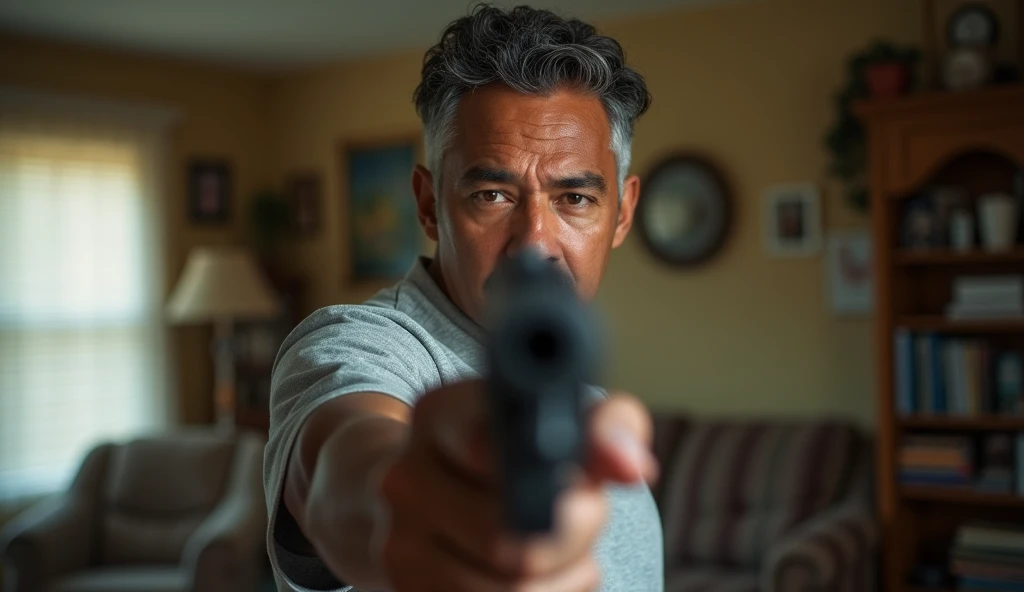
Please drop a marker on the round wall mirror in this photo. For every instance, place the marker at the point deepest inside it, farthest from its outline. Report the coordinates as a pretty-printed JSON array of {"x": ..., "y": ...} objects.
[{"x": 685, "y": 210}]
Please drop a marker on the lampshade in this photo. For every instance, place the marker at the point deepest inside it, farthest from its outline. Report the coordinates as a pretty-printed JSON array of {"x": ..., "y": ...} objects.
[{"x": 221, "y": 283}]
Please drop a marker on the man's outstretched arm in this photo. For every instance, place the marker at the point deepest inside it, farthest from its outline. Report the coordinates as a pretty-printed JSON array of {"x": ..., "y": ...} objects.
[
  {"x": 341, "y": 447},
  {"x": 410, "y": 499}
]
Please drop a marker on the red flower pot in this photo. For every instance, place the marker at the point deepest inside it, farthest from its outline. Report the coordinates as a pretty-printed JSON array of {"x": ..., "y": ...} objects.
[{"x": 887, "y": 80}]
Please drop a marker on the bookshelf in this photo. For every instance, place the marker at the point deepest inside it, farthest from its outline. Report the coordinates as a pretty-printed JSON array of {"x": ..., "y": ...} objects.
[
  {"x": 941, "y": 256},
  {"x": 967, "y": 497},
  {"x": 973, "y": 141},
  {"x": 940, "y": 324},
  {"x": 979, "y": 422}
]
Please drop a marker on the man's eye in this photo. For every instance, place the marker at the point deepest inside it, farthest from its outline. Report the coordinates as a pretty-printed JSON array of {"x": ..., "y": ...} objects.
[
  {"x": 490, "y": 196},
  {"x": 575, "y": 199}
]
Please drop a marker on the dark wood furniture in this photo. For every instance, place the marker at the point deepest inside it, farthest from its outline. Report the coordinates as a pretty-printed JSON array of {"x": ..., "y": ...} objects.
[{"x": 976, "y": 141}]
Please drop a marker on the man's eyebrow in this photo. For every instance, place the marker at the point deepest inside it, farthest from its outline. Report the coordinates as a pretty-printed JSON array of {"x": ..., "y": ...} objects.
[
  {"x": 587, "y": 180},
  {"x": 479, "y": 174},
  {"x": 584, "y": 180}
]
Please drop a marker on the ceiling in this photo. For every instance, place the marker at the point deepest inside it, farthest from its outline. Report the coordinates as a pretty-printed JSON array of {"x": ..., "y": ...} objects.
[{"x": 273, "y": 34}]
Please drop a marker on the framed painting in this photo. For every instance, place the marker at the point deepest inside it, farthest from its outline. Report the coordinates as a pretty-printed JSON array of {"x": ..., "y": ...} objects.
[
  {"x": 209, "y": 191},
  {"x": 383, "y": 233}
]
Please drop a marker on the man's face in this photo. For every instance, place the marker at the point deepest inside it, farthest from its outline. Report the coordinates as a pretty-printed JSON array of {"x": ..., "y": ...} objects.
[{"x": 525, "y": 171}]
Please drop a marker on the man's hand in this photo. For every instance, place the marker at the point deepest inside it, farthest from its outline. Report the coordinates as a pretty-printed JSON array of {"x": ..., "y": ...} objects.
[{"x": 440, "y": 526}]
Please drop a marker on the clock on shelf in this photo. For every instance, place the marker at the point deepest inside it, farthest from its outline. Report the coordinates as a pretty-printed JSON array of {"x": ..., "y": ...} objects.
[
  {"x": 685, "y": 210},
  {"x": 972, "y": 25},
  {"x": 974, "y": 42}
]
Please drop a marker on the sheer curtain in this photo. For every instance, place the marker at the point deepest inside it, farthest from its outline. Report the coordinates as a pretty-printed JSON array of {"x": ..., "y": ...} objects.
[{"x": 82, "y": 344}]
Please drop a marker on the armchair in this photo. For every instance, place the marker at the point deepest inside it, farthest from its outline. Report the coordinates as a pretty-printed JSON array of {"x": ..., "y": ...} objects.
[{"x": 168, "y": 513}]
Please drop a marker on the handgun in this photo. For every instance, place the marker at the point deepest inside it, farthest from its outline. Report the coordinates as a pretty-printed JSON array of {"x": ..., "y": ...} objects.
[{"x": 542, "y": 352}]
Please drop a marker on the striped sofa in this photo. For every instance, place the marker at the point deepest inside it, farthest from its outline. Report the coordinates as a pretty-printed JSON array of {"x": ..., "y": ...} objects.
[{"x": 765, "y": 506}]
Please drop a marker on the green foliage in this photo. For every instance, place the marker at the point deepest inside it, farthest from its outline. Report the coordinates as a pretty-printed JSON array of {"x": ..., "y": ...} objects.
[{"x": 846, "y": 140}]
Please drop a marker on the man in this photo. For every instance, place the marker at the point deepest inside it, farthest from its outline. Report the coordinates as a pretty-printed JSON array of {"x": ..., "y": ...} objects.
[{"x": 379, "y": 470}]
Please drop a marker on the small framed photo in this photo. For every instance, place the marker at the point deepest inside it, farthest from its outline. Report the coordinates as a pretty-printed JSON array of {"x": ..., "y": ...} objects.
[
  {"x": 792, "y": 220},
  {"x": 305, "y": 198},
  {"x": 209, "y": 192},
  {"x": 850, "y": 272}
]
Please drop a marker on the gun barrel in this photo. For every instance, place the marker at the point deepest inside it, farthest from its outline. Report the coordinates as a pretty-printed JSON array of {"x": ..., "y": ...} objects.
[{"x": 542, "y": 352}]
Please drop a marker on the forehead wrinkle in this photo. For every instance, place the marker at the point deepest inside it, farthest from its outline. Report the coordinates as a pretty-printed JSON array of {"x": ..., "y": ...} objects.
[
  {"x": 570, "y": 135},
  {"x": 557, "y": 130}
]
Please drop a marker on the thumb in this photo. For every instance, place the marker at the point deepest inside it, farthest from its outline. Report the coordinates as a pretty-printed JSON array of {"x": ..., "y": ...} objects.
[
  {"x": 619, "y": 448},
  {"x": 452, "y": 420}
]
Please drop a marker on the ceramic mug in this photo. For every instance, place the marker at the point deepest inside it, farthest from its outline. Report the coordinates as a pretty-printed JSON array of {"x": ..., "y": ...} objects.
[{"x": 997, "y": 214}]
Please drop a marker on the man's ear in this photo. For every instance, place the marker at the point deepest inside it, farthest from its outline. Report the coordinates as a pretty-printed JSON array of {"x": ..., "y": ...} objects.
[
  {"x": 426, "y": 201},
  {"x": 630, "y": 195}
]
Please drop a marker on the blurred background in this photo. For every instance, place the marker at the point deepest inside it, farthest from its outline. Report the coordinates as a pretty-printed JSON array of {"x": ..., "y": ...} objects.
[{"x": 181, "y": 182}]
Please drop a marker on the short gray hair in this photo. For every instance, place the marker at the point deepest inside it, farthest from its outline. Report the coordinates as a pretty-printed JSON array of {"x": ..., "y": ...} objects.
[{"x": 533, "y": 52}]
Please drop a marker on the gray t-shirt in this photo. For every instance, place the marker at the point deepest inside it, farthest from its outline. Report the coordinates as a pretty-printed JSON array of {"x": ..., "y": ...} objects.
[{"x": 405, "y": 341}]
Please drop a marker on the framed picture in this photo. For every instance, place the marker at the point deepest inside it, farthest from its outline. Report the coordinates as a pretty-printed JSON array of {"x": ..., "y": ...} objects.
[
  {"x": 209, "y": 192},
  {"x": 304, "y": 193},
  {"x": 380, "y": 215},
  {"x": 792, "y": 220},
  {"x": 850, "y": 272}
]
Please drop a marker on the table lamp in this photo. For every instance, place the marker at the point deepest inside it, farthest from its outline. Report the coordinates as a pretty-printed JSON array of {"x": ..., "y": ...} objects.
[{"x": 221, "y": 285}]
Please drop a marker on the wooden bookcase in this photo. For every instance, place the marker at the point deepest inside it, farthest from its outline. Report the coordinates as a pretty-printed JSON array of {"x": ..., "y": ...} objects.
[{"x": 973, "y": 140}]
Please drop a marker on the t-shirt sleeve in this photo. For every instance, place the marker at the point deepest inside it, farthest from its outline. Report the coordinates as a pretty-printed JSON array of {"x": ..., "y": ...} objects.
[{"x": 334, "y": 352}]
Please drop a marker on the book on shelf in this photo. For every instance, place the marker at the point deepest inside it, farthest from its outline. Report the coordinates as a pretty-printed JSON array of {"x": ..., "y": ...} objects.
[
  {"x": 990, "y": 463},
  {"x": 989, "y": 556},
  {"x": 988, "y": 288},
  {"x": 987, "y": 297},
  {"x": 959, "y": 312},
  {"x": 936, "y": 461},
  {"x": 941, "y": 375}
]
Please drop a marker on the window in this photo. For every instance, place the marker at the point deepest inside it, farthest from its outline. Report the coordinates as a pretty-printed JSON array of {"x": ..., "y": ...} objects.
[{"x": 81, "y": 337}]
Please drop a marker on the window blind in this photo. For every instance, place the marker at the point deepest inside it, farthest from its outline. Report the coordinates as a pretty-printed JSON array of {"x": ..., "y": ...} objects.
[{"x": 82, "y": 353}]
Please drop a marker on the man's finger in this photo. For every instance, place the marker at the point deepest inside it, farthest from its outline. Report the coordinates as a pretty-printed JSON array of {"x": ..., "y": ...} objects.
[
  {"x": 619, "y": 447},
  {"x": 454, "y": 421}
]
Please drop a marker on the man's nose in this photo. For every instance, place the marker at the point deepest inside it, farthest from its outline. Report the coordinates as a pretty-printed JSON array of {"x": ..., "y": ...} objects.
[{"x": 534, "y": 226}]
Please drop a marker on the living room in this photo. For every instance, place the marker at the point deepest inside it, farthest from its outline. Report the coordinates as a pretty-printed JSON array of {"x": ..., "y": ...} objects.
[{"x": 767, "y": 322}]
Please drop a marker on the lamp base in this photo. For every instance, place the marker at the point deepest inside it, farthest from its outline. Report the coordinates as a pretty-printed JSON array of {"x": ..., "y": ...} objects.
[
  {"x": 224, "y": 394},
  {"x": 224, "y": 404}
]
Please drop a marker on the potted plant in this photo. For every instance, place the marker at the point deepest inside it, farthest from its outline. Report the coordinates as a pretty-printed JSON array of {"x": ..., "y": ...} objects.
[
  {"x": 883, "y": 70},
  {"x": 888, "y": 69}
]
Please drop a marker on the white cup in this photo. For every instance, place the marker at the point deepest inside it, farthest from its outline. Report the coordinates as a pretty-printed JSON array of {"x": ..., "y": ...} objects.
[{"x": 997, "y": 214}]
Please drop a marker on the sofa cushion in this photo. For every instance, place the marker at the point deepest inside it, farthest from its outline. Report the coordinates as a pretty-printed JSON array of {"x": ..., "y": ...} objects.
[
  {"x": 732, "y": 489},
  {"x": 139, "y": 538},
  {"x": 709, "y": 579}
]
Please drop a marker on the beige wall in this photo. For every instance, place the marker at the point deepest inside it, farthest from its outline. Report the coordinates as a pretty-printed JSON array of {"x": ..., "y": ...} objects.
[
  {"x": 750, "y": 84},
  {"x": 223, "y": 114}
]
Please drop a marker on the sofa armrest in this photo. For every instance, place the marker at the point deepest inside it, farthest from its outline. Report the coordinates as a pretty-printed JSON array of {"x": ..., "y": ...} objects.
[
  {"x": 54, "y": 536},
  {"x": 833, "y": 551},
  {"x": 223, "y": 551}
]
